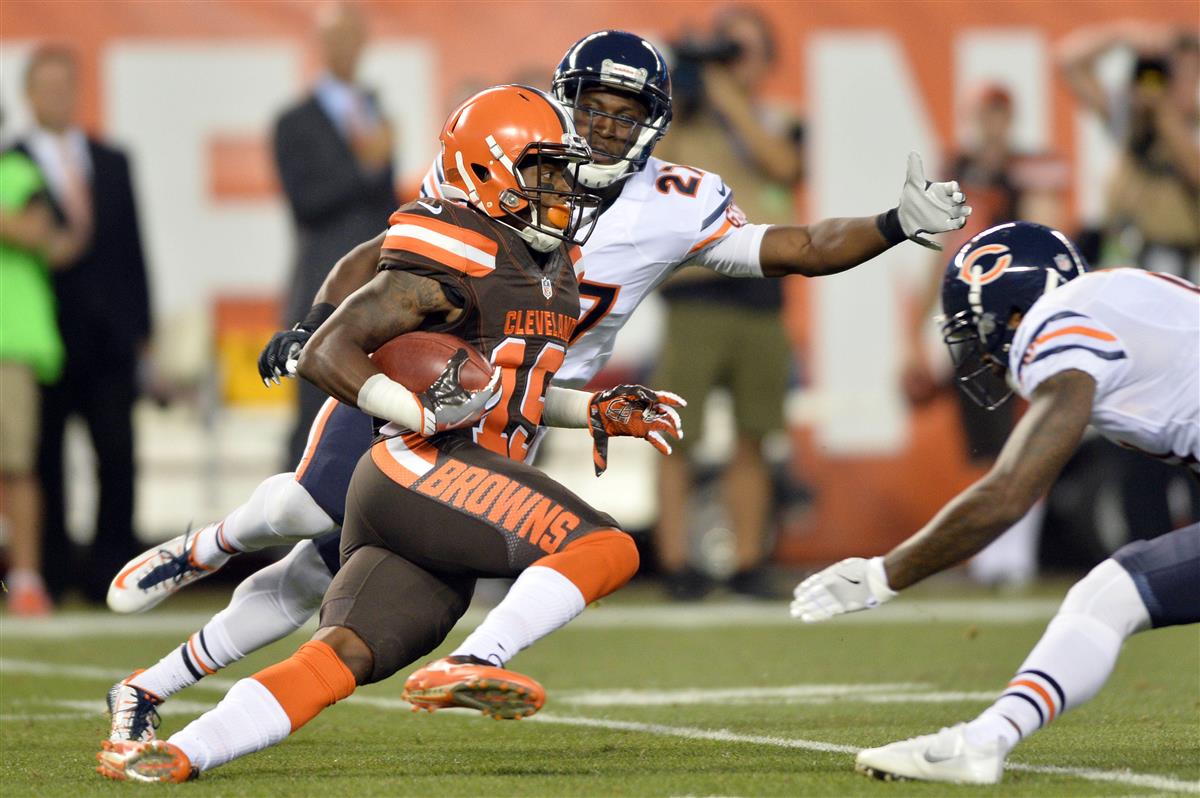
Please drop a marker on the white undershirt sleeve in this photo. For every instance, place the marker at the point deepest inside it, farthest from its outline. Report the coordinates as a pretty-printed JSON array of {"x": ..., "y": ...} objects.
[
  {"x": 736, "y": 254},
  {"x": 566, "y": 407}
]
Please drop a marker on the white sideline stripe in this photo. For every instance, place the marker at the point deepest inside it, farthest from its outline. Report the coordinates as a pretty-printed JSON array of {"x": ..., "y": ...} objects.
[
  {"x": 79, "y": 625},
  {"x": 111, "y": 675},
  {"x": 720, "y": 735},
  {"x": 810, "y": 694},
  {"x": 1150, "y": 781}
]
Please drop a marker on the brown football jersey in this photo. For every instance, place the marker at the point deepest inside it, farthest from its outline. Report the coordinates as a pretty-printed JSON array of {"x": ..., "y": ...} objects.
[{"x": 517, "y": 313}]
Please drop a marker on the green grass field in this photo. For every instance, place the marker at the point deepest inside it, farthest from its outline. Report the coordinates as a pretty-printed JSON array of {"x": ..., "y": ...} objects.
[{"x": 644, "y": 699}]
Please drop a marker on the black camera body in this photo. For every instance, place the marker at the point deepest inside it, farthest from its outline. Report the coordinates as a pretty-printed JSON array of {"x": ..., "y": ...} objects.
[{"x": 691, "y": 55}]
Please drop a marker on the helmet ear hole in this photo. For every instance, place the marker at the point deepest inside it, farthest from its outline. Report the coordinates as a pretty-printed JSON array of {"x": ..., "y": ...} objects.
[{"x": 481, "y": 172}]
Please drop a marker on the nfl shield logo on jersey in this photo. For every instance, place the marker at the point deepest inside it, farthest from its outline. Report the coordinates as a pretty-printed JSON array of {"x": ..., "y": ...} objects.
[{"x": 547, "y": 289}]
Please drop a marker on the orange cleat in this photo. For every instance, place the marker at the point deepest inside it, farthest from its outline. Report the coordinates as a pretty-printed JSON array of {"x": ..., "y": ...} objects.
[
  {"x": 29, "y": 601},
  {"x": 474, "y": 684},
  {"x": 154, "y": 761}
]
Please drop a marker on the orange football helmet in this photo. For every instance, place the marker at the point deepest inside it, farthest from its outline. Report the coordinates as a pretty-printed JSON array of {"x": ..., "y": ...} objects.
[{"x": 512, "y": 152}]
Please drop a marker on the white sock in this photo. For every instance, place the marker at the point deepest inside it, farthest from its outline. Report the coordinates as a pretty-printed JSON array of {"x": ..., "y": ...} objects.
[
  {"x": 540, "y": 601},
  {"x": 279, "y": 511},
  {"x": 1074, "y": 657},
  {"x": 248, "y": 719},
  {"x": 267, "y": 606},
  {"x": 210, "y": 549}
]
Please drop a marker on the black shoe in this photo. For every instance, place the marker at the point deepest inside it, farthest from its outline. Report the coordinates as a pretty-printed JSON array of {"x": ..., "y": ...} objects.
[
  {"x": 686, "y": 585},
  {"x": 756, "y": 583}
]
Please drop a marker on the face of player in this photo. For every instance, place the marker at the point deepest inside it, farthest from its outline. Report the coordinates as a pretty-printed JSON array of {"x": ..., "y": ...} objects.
[
  {"x": 610, "y": 121},
  {"x": 547, "y": 181},
  {"x": 52, "y": 93}
]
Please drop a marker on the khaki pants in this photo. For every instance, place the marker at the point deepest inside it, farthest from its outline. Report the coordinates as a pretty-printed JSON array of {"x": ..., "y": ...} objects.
[
  {"x": 742, "y": 349},
  {"x": 19, "y": 418}
]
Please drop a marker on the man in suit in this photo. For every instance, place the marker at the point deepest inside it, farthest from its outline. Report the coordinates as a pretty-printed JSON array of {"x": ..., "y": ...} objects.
[
  {"x": 334, "y": 154},
  {"x": 104, "y": 319}
]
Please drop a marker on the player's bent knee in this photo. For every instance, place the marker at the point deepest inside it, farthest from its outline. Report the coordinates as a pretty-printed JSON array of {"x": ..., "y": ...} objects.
[
  {"x": 1108, "y": 595},
  {"x": 351, "y": 649},
  {"x": 305, "y": 581},
  {"x": 598, "y": 564},
  {"x": 1166, "y": 572},
  {"x": 291, "y": 510}
]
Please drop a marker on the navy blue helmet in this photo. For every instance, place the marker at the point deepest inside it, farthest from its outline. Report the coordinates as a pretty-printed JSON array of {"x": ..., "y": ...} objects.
[
  {"x": 993, "y": 280},
  {"x": 614, "y": 60}
]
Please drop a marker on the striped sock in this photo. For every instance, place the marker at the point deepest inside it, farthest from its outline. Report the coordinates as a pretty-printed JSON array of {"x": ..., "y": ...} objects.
[
  {"x": 174, "y": 672},
  {"x": 1031, "y": 700},
  {"x": 211, "y": 548}
]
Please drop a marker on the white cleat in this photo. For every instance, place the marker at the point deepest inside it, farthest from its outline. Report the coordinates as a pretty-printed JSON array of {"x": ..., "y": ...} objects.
[
  {"x": 945, "y": 756},
  {"x": 156, "y": 574},
  {"x": 132, "y": 712}
]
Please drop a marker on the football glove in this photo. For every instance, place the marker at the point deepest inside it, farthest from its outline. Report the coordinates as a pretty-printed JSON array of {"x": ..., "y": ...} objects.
[
  {"x": 927, "y": 207},
  {"x": 848, "y": 586},
  {"x": 632, "y": 411},
  {"x": 446, "y": 404},
  {"x": 279, "y": 356}
]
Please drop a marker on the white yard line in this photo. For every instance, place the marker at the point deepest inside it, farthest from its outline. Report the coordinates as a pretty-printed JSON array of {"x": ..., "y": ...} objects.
[
  {"x": 80, "y": 625},
  {"x": 1150, "y": 781},
  {"x": 877, "y": 693}
]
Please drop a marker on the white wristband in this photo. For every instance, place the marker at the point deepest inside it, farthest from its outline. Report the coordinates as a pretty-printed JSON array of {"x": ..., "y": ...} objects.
[
  {"x": 385, "y": 398},
  {"x": 877, "y": 580},
  {"x": 566, "y": 407}
]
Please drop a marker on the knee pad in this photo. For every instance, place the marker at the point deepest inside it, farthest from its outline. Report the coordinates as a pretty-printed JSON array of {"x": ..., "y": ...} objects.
[
  {"x": 1108, "y": 595},
  {"x": 292, "y": 512}
]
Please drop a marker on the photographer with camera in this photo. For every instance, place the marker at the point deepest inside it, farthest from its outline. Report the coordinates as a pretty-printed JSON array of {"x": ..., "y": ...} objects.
[
  {"x": 712, "y": 322},
  {"x": 1153, "y": 208}
]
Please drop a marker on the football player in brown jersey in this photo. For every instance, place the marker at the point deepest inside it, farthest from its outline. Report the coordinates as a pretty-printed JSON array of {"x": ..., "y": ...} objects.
[{"x": 490, "y": 265}]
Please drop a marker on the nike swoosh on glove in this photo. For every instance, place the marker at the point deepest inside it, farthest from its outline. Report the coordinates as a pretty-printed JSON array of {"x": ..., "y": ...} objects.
[
  {"x": 448, "y": 405},
  {"x": 848, "y": 586},
  {"x": 927, "y": 207},
  {"x": 632, "y": 411}
]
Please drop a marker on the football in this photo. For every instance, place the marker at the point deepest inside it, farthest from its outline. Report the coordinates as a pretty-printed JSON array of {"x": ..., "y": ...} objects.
[{"x": 416, "y": 359}]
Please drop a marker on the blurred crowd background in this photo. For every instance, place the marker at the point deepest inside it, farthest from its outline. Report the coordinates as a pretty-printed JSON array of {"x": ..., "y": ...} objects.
[{"x": 177, "y": 179}]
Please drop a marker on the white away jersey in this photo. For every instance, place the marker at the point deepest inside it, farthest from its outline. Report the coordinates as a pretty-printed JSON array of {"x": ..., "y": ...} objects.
[
  {"x": 1137, "y": 334},
  {"x": 666, "y": 215}
]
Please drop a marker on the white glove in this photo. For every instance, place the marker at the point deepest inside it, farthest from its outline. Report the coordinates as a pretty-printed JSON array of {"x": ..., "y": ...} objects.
[
  {"x": 929, "y": 207},
  {"x": 848, "y": 586}
]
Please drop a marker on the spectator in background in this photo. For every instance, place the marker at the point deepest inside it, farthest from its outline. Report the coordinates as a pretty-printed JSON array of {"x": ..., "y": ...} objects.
[
  {"x": 723, "y": 332},
  {"x": 31, "y": 352},
  {"x": 1154, "y": 197},
  {"x": 103, "y": 316},
  {"x": 1004, "y": 185},
  {"x": 1153, "y": 205},
  {"x": 334, "y": 155}
]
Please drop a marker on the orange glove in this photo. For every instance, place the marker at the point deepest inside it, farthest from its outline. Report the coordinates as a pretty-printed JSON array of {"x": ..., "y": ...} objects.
[{"x": 632, "y": 411}]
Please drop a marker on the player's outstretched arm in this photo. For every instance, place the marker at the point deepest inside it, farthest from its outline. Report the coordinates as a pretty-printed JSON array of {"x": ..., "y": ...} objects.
[
  {"x": 835, "y": 245},
  {"x": 352, "y": 271},
  {"x": 1040, "y": 445}
]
